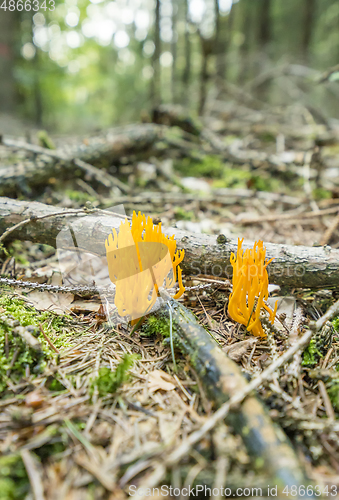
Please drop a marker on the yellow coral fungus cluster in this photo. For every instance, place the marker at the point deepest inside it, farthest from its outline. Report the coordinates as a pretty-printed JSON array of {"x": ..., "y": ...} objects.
[
  {"x": 250, "y": 288},
  {"x": 141, "y": 259}
]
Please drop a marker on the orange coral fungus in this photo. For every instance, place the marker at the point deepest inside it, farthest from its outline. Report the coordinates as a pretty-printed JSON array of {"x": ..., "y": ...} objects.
[
  {"x": 250, "y": 288},
  {"x": 141, "y": 259}
]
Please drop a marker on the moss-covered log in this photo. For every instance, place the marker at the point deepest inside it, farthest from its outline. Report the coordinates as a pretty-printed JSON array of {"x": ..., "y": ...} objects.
[
  {"x": 295, "y": 266},
  {"x": 222, "y": 379}
]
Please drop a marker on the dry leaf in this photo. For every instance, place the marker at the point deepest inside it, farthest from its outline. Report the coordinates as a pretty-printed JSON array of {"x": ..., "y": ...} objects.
[
  {"x": 49, "y": 301},
  {"x": 34, "y": 399},
  {"x": 237, "y": 350},
  {"x": 286, "y": 309},
  {"x": 160, "y": 380},
  {"x": 168, "y": 427}
]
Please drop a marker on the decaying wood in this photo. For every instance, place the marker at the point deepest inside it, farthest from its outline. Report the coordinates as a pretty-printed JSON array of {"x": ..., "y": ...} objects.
[
  {"x": 295, "y": 266},
  {"x": 176, "y": 116},
  {"x": 94, "y": 151},
  {"x": 141, "y": 141}
]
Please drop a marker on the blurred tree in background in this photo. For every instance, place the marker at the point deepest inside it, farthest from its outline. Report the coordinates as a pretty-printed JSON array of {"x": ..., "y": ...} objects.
[{"x": 90, "y": 64}]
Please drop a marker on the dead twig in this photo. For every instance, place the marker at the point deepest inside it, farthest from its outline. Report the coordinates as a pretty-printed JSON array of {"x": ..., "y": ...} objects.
[
  {"x": 50, "y": 343},
  {"x": 285, "y": 216},
  {"x": 330, "y": 231},
  {"x": 235, "y": 400},
  {"x": 33, "y": 474},
  {"x": 327, "y": 402}
]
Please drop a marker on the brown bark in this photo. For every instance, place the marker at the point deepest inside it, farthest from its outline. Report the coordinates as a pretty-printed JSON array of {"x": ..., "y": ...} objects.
[{"x": 294, "y": 266}]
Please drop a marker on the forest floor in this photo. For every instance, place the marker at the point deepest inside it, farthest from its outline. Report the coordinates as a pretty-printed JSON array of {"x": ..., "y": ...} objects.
[{"x": 88, "y": 409}]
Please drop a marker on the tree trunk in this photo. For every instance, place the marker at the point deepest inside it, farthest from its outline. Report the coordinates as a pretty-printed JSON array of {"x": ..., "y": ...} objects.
[
  {"x": 264, "y": 37},
  {"x": 8, "y": 21},
  {"x": 207, "y": 46},
  {"x": 245, "y": 10},
  {"x": 174, "y": 50},
  {"x": 186, "y": 76},
  {"x": 222, "y": 45},
  {"x": 308, "y": 24},
  {"x": 156, "y": 80}
]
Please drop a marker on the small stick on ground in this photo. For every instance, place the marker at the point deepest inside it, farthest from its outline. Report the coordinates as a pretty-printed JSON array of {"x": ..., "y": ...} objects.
[
  {"x": 327, "y": 402},
  {"x": 33, "y": 474},
  {"x": 50, "y": 343},
  {"x": 329, "y": 232}
]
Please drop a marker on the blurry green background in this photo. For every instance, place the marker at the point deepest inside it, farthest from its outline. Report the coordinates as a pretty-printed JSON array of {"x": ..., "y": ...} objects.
[{"x": 91, "y": 64}]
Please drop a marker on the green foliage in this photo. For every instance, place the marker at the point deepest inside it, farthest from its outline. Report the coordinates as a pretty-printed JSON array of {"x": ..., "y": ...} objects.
[
  {"x": 27, "y": 315},
  {"x": 14, "y": 483},
  {"x": 108, "y": 382},
  {"x": 335, "y": 323},
  {"x": 311, "y": 354},
  {"x": 208, "y": 166},
  {"x": 19, "y": 351}
]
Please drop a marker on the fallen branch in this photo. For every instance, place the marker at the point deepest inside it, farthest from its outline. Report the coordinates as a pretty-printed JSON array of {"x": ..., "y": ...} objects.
[
  {"x": 293, "y": 215},
  {"x": 227, "y": 388},
  {"x": 87, "y": 156},
  {"x": 295, "y": 266},
  {"x": 34, "y": 474}
]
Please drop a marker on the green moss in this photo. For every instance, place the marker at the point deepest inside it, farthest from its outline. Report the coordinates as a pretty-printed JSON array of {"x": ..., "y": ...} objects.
[
  {"x": 233, "y": 177},
  {"x": 14, "y": 483},
  {"x": 79, "y": 196},
  {"x": 181, "y": 214},
  {"x": 25, "y": 356},
  {"x": 108, "y": 382},
  {"x": 321, "y": 194},
  {"x": 264, "y": 183},
  {"x": 207, "y": 166},
  {"x": 54, "y": 325},
  {"x": 267, "y": 137},
  {"x": 156, "y": 325},
  {"x": 335, "y": 323},
  {"x": 17, "y": 250},
  {"x": 311, "y": 354},
  {"x": 44, "y": 140}
]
